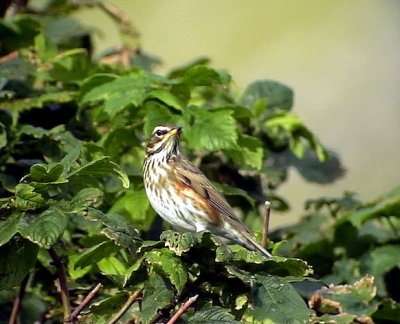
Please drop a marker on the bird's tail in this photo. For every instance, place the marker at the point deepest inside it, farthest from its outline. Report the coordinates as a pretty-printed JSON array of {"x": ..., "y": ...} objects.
[
  {"x": 251, "y": 243},
  {"x": 254, "y": 245}
]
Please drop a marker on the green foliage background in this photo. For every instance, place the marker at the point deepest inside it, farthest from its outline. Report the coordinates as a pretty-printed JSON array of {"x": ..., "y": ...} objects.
[{"x": 71, "y": 143}]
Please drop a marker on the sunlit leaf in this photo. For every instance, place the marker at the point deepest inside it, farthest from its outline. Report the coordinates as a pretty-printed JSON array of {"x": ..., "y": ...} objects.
[
  {"x": 101, "y": 167},
  {"x": 168, "y": 263},
  {"x": 27, "y": 198},
  {"x": 211, "y": 130},
  {"x": 248, "y": 151},
  {"x": 95, "y": 254},
  {"x": 71, "y": 65},
  {"x": 179, "y": 243},
  {"x": 166, "y": 97}
]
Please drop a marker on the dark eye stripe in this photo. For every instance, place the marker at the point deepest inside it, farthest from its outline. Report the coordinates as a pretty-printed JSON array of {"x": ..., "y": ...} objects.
[{"x": 161, "y": 132}]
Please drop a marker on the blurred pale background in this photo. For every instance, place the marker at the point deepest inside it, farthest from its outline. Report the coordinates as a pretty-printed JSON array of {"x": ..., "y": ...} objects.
[{"x": 342, "y": 58}]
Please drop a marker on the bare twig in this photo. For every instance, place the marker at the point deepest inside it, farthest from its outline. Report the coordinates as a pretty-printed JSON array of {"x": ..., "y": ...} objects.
[
  {"x": 264, "y": 240},
  {"x": 62, "y": 279},
  {"x": 8, "y": 57},
  {"x": 85, "y": 302},
  {"x": 132, "y": 298},
  {"x": 17, "y": 302},
  {"x": 124, "y": 23},
  {"x": 183, "y": 309}
]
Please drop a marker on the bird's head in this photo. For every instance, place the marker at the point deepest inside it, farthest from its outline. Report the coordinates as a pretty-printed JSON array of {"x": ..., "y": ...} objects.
[{"x": 164, "y": 139}]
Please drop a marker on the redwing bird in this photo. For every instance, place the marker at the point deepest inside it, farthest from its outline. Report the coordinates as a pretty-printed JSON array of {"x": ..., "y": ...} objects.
[{"x": 182, "y": 195}]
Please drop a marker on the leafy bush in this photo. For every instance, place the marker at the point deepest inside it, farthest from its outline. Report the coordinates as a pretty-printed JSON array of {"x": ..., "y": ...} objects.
[{"x": 75, "y": 220}]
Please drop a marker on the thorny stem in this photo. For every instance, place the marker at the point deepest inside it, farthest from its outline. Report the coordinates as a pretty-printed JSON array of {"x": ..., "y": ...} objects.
[
  {"x": 62, "y": 279},
  {"x": 17, "y": 302},
  {"x": 85, "y": 302},
  {"x": 183, "y": 309},
  {"x": 132, "y": 298},
  {"x": 264, "y": 240}
]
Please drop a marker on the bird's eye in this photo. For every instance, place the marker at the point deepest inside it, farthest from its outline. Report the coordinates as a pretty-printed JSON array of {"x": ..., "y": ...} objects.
[{"x": 160, "y": 132}]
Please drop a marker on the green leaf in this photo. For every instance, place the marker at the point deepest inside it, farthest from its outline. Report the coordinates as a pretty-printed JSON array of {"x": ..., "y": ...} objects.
[
  {"x": 27, "y": 198},
  {"x": 85, "y": 198},
  {"x": 313, "y": 170},
  {"x": 211, "y": 130},
  {"x": 95, "y": 80},
  {"x": 70, "y": 158},
  {"x": 103, "y": 309},
  {"x": 95, "y": 254},
  {"x": 179, "y": 242},
  {"x": 157, "y": 114},
  {"x": 7, "y": 182},
  {"x": 248, "y": 151},
  {"x": 111, "y": 266},
  {"x": 17, "y": 257},
  {"x": 388, "y": 310},
  {"x": 387, "y": 205},
  {"x": 9, "y": 227},
  {"x": 169, "y": 264},
  {"x": 44, "y": 229},
  {"x": 296, "y": 132},
  {"x": 135, "y": 203},
  {"x": 353, "y": 299},
  {"x": 380, "y": 261},
  {"x": 118, "y": 141},
  {"x": 232, "y": 191},
  {"x": 46, "y": 50},
  {"x": 277, "y": 301},
  {"x": 76, "y": 272},
  {"x": 111, "y": 220},
  {"x": 157, "y": 295},
  {"x": 343, "y": 318},
  {"x": 101, "y": 167},
  {"x": 18, "y": 32},
  {"x": 279, "y": 266},
  {"x": 117, "y": 229},
  {"x": 120, "y": 93},
  {"x": 3, "y": 135},
  {"x": 71, "y": 65},
  {"x": 46, "y": 172},
  {"x": 383, "y": 258},
  {"x": 166, "y": 97},
  {"x": 201, "y": 75},
  {"x": 273, "y": 93},
  {"x": 122, "y": 239},
  {"x": 212, "y": 314},
  {"x": 40, "y": 101}
]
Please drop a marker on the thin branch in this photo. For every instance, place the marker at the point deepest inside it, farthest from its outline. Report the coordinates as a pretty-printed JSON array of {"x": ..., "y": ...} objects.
[
  {"x": 264, "y": 240},
  {"x": 8, "y": 57},
  {"x": 183, "y": 309},
  {"x": 85, "y": 302},
  {"x": 123, "y": 22},
  {"x": 18, "y": 300},
  {"x": 62, "y": 279},
  {"x": 132, "y": 298}
]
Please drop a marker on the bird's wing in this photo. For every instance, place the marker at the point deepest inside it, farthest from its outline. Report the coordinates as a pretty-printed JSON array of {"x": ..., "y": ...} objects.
[{"x": 192, "y": 177}]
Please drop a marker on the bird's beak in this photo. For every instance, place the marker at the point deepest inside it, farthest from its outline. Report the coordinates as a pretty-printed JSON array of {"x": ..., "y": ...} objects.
[{"x": 176, "y": 130}]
